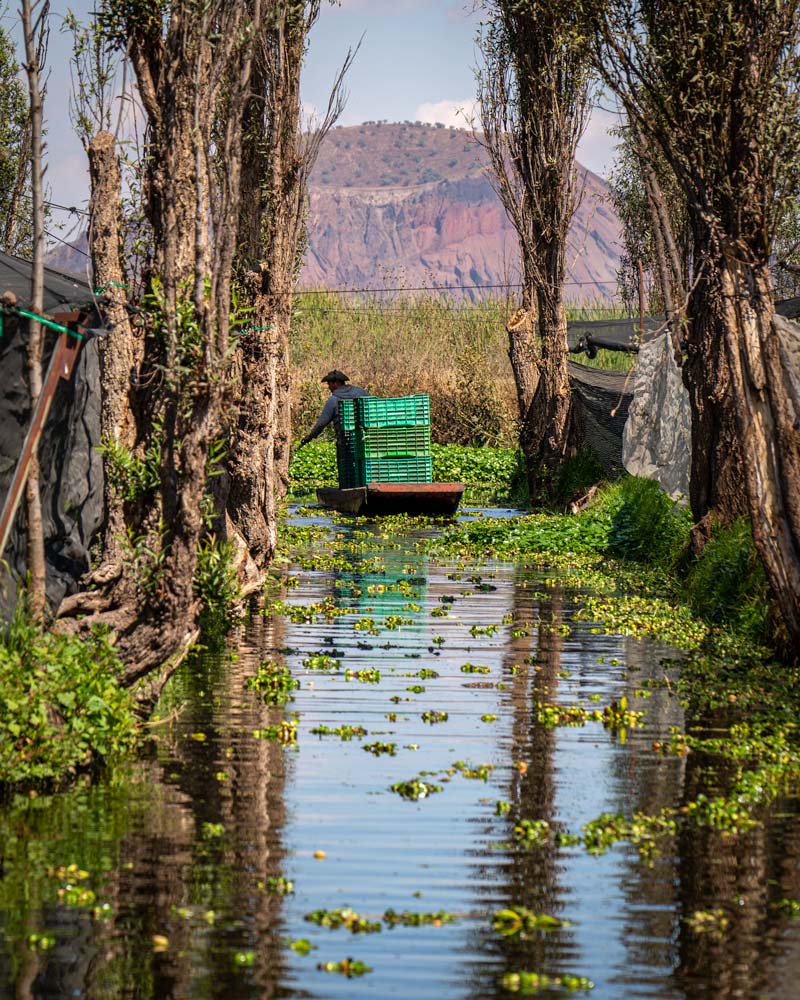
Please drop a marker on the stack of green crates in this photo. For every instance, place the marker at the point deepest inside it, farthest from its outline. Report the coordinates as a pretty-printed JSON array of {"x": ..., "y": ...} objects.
[
  {"x": 384, "y": 440},
  {"x": 393, "y": 439}
]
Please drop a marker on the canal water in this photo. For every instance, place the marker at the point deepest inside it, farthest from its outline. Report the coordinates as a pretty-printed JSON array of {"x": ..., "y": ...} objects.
[{"x": 358, "y": 840}]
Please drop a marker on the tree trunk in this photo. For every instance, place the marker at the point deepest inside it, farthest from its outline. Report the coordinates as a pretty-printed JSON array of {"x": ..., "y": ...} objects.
[
  {"x": 716, "y": 486},
  {"x": 523, "y": 353},
  {"x": 35, "y": 46},
  {"x": 251, "y": 460},
  {"x": 546, "y": 437},
  {"x": 768, "y": 413},
  {"x": 120, "y": 352},
  {"x": 277, "y": 164}
]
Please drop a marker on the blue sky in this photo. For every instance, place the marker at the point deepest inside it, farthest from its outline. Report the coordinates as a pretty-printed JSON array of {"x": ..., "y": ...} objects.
[{"x": 417, "y": 61}]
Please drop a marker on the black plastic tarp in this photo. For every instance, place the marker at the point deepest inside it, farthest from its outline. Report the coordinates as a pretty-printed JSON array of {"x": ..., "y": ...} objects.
[{"x": 62, "y": 290}]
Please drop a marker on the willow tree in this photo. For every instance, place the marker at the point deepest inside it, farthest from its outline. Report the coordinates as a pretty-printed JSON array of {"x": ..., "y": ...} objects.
[
  {"x": 15, "y": 134},
  {"x": 534, "y": 97},
  {"x": 279, "y": 156},
  {"x": 192, "y": 62},
  {"x": 715, "y": 85},
  {"x": 656, "y": 233}
]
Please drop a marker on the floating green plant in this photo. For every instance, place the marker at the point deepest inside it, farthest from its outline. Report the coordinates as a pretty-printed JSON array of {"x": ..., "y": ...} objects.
[
  {"x": 531, "y": 832},
  {"x": 431, "y": 716},
  {"x": 477, "y": 630},
  {"x": 711, "y": 922},
  {"x": 277, "y": 885},
  {"x": 321, "y": 661},
  {"x": 409, "y": 919},
  {"x": 274, "y": 683},
  {"x": 344, "y": 732},
  {"x": 520, "y": 922},
  {"x": 415, "y": 789},
  {"x": 479, "y": 772},
  {"x": 302, "y": 946},
  {"x": 346, "y": 967},
  {"x": 372, "y": 676},
  {"x": 530, "y": 983},
  {"x": 283, "y": 732},
  {"x": 381, "y": 748},
  {"x": 344, "y": 917}
]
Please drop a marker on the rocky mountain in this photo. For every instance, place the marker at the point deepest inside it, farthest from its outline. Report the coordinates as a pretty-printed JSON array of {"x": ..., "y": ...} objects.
[{"x": 409, "y": 205}]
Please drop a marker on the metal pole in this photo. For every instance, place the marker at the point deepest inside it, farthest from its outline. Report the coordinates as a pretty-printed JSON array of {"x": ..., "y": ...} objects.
[{"x": 62, "y": 363}]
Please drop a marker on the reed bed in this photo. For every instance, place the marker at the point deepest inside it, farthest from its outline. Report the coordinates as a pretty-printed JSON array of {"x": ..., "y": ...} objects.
[{"x": 456, "y": 352}]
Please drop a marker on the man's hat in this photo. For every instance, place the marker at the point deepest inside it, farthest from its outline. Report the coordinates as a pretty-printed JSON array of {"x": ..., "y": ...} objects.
[{"x": 335, "y": 376}]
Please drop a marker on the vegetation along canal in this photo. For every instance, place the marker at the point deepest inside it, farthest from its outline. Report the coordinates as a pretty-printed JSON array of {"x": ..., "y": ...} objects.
[{"x": 422, "y": 768}]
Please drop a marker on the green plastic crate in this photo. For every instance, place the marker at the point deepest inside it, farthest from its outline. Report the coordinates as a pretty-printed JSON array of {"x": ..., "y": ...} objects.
[
  {"x": 346, "y": 414},
  {"x": 416, "y": 469},
  {"x": 400, "y": 411},
  {"x": 346, "y": 450},
  {"x": 409, "y": 441},
  {"x": 346, "y": 461}
]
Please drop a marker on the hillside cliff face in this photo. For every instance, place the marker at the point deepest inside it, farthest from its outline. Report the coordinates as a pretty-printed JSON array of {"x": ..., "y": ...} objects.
[
  {"x": 409, "y": 205},
  {"x": 412, "y": 206}
]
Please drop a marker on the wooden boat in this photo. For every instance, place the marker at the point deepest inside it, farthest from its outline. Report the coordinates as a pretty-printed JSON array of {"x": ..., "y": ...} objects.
[{"x": 374, "y": 499}]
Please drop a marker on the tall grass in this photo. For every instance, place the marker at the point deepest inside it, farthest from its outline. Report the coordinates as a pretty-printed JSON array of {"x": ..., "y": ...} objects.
[{"x": 456, "y": 352}]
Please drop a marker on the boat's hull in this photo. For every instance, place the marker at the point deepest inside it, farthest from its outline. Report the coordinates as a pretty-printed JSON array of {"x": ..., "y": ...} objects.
[{"x": 375, "y": 499}]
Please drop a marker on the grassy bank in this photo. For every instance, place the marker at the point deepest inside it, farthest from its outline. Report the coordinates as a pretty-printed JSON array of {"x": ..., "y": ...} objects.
[{"x": 456, "y": 353}]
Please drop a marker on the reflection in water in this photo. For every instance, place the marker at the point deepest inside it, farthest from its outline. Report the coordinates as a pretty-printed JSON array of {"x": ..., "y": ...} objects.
[
  {"x": 157, "y": 880},
  {"x": 753, "y": 953}
]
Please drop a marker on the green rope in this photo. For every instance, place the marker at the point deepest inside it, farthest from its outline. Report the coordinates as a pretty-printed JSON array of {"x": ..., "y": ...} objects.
[
  {"x": 15, "y": 311},
  {"x": 110, "y": 284},
  {"x": 254, "y": 329}
]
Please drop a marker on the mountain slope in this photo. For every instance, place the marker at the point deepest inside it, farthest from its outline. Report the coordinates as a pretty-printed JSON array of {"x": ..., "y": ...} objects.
[{"x": 411, "y": 205}]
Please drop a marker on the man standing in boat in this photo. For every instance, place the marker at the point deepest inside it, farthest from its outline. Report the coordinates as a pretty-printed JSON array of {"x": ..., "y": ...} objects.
[{"x": 339, "y": 389}]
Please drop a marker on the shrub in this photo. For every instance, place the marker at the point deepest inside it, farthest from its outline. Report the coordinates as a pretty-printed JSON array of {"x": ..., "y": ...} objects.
[
  {"x": 61, "y": 705},
  {"x": 577, "y": 475},
  {"x": 215, "y": 579},
  {"x": 727, "y": 582},
  {"x": 647, "y": 526}
]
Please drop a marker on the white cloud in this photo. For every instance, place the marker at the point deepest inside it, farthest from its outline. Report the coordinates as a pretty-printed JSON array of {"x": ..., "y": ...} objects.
[
  {"x": 461, "y": 114},
  {"x": 596, "y": 148},
  {"x": 309, "y": 115}
]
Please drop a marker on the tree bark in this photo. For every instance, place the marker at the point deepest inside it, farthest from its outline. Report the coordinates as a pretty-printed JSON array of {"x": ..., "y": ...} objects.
[
  {"x": 120, "y": 352},
  {"x": 523, "y": 353},
  {"x": 546, "y": 437},
  {"x": 716, "y": 486},
  {"x": 768, "y": 415}
]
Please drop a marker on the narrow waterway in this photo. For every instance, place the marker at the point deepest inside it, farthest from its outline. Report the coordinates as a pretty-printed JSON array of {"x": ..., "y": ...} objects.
[{"x": 421, "y": 733}]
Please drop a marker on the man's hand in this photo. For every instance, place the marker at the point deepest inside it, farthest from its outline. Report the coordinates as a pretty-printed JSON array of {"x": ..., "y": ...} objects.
[{"x": 303, "y": 441}]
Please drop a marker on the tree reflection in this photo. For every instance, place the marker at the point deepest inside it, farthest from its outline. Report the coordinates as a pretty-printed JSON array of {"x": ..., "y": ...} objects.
[{"x": 530, "y": 876}]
